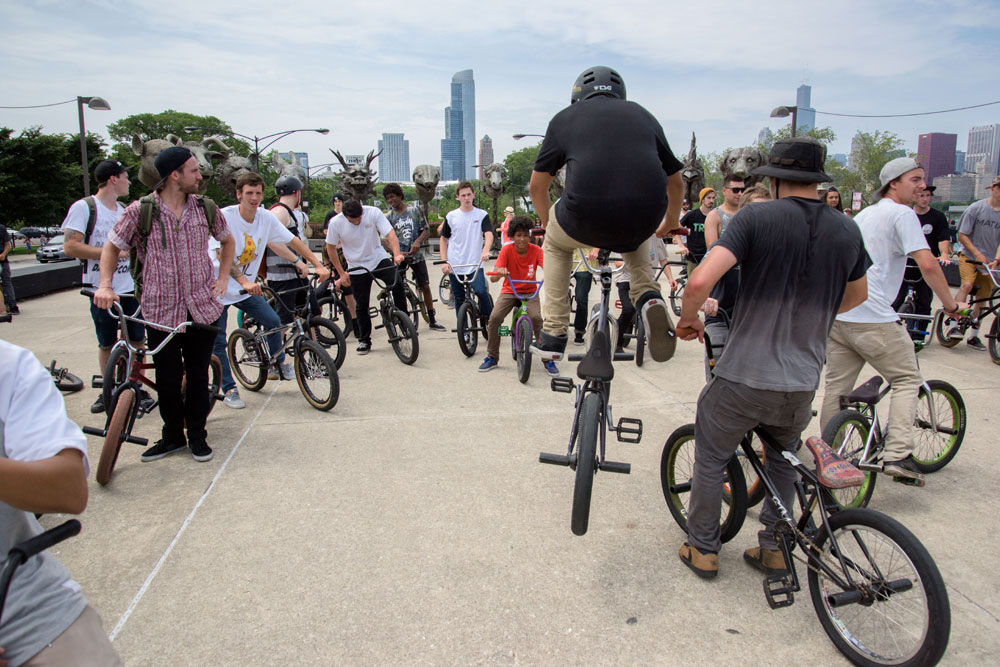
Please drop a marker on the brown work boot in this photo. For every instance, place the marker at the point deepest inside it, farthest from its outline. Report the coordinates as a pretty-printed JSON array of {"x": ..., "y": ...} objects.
[
  {"x": 705, "y": 565},
  {"x": 768, "y": 561}
]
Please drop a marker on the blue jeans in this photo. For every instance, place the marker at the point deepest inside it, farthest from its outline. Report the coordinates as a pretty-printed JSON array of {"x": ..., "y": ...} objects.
[
  {"x": 257, "y": 308},
  {"x": 479, "y": 287}
]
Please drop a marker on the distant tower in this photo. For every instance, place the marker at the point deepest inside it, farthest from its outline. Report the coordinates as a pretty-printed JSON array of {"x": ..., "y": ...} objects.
[
  {"x": 766, "y": 137},
  {"x": 936, "y": 154},
  {"x": 805, "y": 117},
  {"x": 394, "y": 159},
  {"x": 984, "y": 144},
  {"x": 458, "y": 148},
  {"x": 852, "y": 158},
  {"x": 485, "y": 155}
]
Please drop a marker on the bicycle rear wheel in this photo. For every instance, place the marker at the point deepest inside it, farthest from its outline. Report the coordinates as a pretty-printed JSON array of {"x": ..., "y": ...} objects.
[
  {"x": 116, "y": 372},
  {"x": 444, "y": 292},
  {"x": 214, "y": 381},
  {"x": 468, "y": 333},
  {"x": 326, "y": 332},
  {"x": 939, "y": 331},
  {"x": 523, "y": 339},
  {"x": 897, "y": 612},
  {"x": 846, "y": 434},
  {"x": 676, "y": 468},
  {"x": 676, "y": 297},
  {"x": 66, "y": 381},
  {"x": 640, "y": 341},
  {"x": 934, "y": 447},
  {"x": 591, "y": 415},
  {"x": 118, "y": 428},
  {"x": 993, "y": 342},
  {"x": 405, "y": 342},
  {"x": 247, "y": 360},
  {"x": 316, "y": 374}
]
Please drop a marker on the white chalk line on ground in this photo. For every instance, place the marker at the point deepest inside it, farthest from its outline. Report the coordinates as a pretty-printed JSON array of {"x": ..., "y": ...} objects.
[{"x": 163, "y": 559}]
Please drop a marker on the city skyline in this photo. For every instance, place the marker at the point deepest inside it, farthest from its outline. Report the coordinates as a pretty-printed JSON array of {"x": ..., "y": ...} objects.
[
  {"x": 394, "y": 158},
  {"x": 725, "y": 95}
]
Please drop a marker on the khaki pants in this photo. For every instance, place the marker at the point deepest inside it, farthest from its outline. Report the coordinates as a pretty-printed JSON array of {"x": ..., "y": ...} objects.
[
  {"x": 84, "y": 643},
  {"x": 889, "y": 350},
  {"x": 558, "y": 248}
]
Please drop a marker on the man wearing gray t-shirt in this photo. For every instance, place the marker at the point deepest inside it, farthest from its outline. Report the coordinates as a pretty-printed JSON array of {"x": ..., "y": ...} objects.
[{"x": 801, "y": 262}]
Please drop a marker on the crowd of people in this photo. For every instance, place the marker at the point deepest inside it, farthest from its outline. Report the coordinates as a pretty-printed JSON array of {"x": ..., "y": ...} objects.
[{"x": 788, "y": 284}]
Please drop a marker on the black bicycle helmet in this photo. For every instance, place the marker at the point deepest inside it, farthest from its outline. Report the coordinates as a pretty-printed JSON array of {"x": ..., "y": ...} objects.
[
  {"x": 598, "y": 81},
  {"x": 287, "y": 185}
]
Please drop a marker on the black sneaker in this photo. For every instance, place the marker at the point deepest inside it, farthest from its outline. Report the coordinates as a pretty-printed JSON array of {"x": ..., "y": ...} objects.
[
  {"x": 146, "y": 402},
  {"x": 201, "y": 451},
  {"x": 549, "y": 347},
  {"x": 578, "y": 338},
  {"x": 437, "y": 326},
  {"x": 905, "y": 468},
  {"x": 364, "y": 347},
  {"x": 98, "y": 405},
  {"x": 14, "y": 310},
  {"x": 976, "y": 344},
  {"x": 160, "y": 449}
]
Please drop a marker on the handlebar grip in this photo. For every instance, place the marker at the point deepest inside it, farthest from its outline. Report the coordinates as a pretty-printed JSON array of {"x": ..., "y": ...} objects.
[
  {"x": 537, "y": 231},
  {"x": 491, "y": 273},
  {"x": 440, "y": 261},
  {"x": 51, "y": 537},
  {"x": 88, "y": 291},
  {"x": 205, "y": 327}
]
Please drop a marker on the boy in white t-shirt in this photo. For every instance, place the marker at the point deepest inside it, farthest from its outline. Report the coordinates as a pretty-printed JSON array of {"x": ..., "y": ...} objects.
[
  {"x": 253, "y": 228},
  {"x": 112, "y": 183}
]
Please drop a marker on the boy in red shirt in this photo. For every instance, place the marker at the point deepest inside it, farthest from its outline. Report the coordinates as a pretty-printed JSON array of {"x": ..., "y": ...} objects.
[{"x": 519, "y": 260}]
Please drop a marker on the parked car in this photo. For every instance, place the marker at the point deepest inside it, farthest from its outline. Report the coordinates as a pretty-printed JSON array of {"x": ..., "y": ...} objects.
[
  {"x": 32, "y": 232},
  {"x": 52, "y": 232},
  {"x": 53, "y": 251}
]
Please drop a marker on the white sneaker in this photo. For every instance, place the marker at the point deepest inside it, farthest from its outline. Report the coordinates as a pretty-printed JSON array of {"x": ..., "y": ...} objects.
[
  {"x": 287, "y": 372},
  {"x": 952, "y": 330},
  {"x": 233, "y": 399}
]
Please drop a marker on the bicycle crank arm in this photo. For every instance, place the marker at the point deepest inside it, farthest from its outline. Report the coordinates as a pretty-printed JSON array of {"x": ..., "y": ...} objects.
[
  {"x": 615, "y": 466},
  {"x": 884, "y": 592}
]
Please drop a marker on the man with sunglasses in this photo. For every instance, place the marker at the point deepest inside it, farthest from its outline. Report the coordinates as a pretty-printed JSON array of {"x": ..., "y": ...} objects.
[{"x": 717, "y": 221}]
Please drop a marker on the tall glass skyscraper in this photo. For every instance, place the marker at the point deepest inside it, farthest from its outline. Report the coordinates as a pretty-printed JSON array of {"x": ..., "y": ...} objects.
[
  {"x": 394, "y": 159},
  {"x": 458, "y": 148},
  {"x": 485, "y": 155},
  {"x": 805, "y": 117}
]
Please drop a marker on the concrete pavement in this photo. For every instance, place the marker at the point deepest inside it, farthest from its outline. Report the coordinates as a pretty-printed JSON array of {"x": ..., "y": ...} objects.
[{"x": 412, "y": 524}]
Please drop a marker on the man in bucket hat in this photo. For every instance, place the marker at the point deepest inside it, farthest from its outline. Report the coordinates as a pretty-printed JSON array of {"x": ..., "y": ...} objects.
[
  {"x": 872, "y": 331},
  {"x": 801, "y": 262}
]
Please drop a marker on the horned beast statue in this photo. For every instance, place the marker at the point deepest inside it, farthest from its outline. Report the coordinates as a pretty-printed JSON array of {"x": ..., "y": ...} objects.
[
  {"x": 741, "y": 162},
  {"x": 204, "y": 152},
  {"x": 359, "y": 181},
  {"x": 693, "y": 174},
  {"x": 425, "y": 178}
]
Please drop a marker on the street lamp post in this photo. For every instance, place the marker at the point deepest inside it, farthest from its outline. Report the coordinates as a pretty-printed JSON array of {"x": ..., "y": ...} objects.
[
  {"x": 784, "y": 112},
  {"x": 100, "y": 104},
  {"x": 257, "y": 148}
]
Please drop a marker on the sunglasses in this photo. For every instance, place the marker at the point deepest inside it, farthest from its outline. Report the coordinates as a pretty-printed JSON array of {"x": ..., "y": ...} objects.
[{"x": 737, "y": 190}]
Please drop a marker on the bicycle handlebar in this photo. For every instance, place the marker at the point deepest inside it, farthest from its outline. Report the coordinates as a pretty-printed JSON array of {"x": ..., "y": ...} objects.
[
  {"x": 519, "y": 295},
  {"x": 358, "y": 270},
  {"x": 30, "y": 547},
  {"x": 119, "y": 313}
]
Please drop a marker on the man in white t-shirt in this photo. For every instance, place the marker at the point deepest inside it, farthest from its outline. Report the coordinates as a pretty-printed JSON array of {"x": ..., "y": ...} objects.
[
  {"x": 872, "y": 331},
  {"x": 466, "y": 237},
  {"x": 86, "y": 228},
  {"x": 358, "y": 229},
  {"x": 43, "y": 469},
  {"x": 254, "y": 228}
]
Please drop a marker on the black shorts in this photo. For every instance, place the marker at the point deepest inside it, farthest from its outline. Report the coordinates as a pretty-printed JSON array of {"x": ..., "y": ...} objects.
[{"x": 419, "y": 269}]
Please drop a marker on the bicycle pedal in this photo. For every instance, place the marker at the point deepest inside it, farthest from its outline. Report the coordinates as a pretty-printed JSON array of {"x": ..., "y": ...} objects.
[
  {"x": 97, "y": 382},
  {"x": 629, "y": 430},
  {"x": 779, "y": 591},
  {"x": 562, "y": 384},
  {"x": 869, "y": 467},
  {"x": 919, "y": 483}
]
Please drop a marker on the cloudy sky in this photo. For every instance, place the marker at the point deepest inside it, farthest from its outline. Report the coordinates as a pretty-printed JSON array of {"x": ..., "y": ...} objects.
[{"x": 362, "y": 68}]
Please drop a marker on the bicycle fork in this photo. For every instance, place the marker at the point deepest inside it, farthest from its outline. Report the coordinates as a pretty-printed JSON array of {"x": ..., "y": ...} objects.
[{"x": 627, "y": 430}]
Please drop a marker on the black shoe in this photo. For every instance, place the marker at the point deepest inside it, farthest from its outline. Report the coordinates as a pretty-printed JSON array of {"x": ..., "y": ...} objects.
[
  {"x": 905, "y": 468},
  {"x": 201, "y": 451},
  {"x": 549, "y": 347},
  {"x": 976, "y": 344},
  {"x": 364, "y": 347},
  {"x": 437, "y": 326},
  {"x": 160, "y": 449},
  {"x": 578, "y": 338},
  {"x": 98, "y": 405},
  {"x": 146, "y": 402},
  {"x": 14, "y": 310}
]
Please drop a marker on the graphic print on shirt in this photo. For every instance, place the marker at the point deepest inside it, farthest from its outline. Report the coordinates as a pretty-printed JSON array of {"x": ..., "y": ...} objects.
[{"x": 248, "y": 254}]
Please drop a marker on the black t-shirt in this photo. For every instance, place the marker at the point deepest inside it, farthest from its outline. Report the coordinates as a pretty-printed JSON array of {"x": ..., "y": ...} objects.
[
  {"x": 796, "y": 257},
  {"x": 934, "y": 225},
  {"x": 4, "y": 239},
  {"x": 695, "y": 221},
  {"x": 617, "y": 162}
]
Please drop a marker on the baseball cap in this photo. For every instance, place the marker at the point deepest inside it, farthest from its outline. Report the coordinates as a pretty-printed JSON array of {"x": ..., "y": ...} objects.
[
  {"x": 996, "y": 182},
  {"x": 892, "y": 170},
  {"x": 105, "y": 169}
]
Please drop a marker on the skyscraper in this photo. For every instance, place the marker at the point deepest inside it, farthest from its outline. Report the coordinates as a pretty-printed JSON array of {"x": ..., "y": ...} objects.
[
  {"x": 936, "y": 154},
  {"x": 984, "y": 144},
  {"x": 959, "y": 162},
  {"x": 458, "y": 148},
  {"x": 805, "y": 117},
  {"x": 394, "y": 159},
  {"x": 485, "y": 154}
]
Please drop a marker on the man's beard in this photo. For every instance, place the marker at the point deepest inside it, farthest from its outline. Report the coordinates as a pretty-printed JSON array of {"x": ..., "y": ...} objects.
[{"x": 191, "y": 189}]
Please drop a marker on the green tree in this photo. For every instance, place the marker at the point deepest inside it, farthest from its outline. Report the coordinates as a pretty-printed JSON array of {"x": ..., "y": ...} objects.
[
  {"x": 519, "y": 166},
  {"x": 824, "y": 135},
  {"x": 871, "y": 152}
]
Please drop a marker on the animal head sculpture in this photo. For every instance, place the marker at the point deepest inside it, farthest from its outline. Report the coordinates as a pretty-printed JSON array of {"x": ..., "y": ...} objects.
[
  {"x": 288, "y": 167},
  {"x": 204, "y": 152},
  {"x": 425, "y": 178},
  {"x": 741, "y": 162},
  {"x": 359, "y": 181},
  {"x": 493, "y": 181},
  {"x": 558, "y": 182},
  {"x": 693, "y": 174},
  {"x": 230, "y": 169}
]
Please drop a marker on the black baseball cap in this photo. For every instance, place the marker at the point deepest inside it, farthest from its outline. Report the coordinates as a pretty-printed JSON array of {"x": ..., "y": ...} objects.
[
  {"x": 105, "y": 169},
  {"x": 338, "y": 197}
]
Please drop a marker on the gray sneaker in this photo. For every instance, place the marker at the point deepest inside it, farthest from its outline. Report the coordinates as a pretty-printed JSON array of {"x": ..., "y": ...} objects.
[
  {"x": 660, "y": 335},
  {"x": 233, "y": 399},
  {"x": 904, "y": 468},
  {"x": 287, "y": 372}
]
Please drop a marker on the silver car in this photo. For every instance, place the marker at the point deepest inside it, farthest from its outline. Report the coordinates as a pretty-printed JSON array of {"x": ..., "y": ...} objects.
[{"x": 53, "y": 251}]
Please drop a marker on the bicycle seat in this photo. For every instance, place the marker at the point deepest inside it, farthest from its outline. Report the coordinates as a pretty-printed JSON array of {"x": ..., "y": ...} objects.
[
  {"x": 867, "y": 392},
  {"x": 596, "y": 364},
  {"x": 833, "y": 471}
]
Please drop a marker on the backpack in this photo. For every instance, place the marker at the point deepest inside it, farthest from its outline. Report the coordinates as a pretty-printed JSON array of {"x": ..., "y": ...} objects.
[
  {"x": 148, "y": 209},
  {"x": 91, "y": 221}
]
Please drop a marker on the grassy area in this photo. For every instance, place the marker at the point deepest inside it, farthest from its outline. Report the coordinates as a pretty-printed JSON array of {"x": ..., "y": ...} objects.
[{"x": 21, "y": 250}]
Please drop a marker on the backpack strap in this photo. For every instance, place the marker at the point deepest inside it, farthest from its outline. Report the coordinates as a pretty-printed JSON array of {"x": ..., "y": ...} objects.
[
  {"x": 147, "y": 209},
  {"x": 210, "y": 208},
  {"x": 92, "y": 220}
]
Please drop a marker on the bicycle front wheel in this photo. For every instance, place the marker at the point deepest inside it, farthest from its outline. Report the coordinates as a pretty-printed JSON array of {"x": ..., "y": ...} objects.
[
  {"x": 404, "y": 339},
  {"x": 676, "y": 469},
  {"x": 676, "y": 297},
  {"x": 896, "y": 611},
  {"x": 591, "y": 415},
  {"x": 316, "y": 374},
  {"x": 66, "y": 381},
  {"x": 116, "y": 372},
  {"x": 936, "y": 443},
  {"x": 847, "y": 434},
  {"x": 333, "y": 308},
  {"x": 118, "y": 428},
  {"x": 468, "y": 333},
  {"x": 326, "y": 332},
  {"x": 523, "y": 339},
  {"x": 940, "y": 328},
  {"x": 444, "y": 292},
  {"x": 640, "y": 341},
  {"x": 247, "y": 360}
]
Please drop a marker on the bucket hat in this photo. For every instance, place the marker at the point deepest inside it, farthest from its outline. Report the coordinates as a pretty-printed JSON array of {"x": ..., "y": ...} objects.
[{"x": 798, "y": 159}]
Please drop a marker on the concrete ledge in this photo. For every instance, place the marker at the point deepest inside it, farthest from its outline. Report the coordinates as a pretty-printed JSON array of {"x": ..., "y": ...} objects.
[{"x": 37, "y": 279}]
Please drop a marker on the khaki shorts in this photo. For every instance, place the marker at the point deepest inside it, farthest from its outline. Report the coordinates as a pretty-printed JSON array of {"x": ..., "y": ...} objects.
[{"x": 970, "y": 274}]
